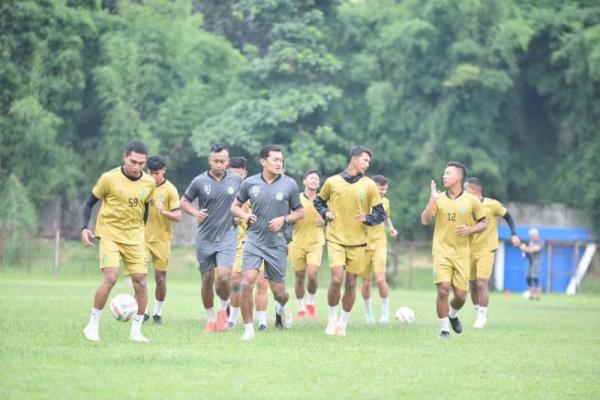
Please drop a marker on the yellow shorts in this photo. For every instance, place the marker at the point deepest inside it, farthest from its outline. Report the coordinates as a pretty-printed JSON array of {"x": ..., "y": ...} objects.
[
  {"x": 159, "y": 253},
  {"x": 133, "y": 255},
  {"x": 352, "y": 258},
  {"x": 452, "y": 270},
  {"x": 299, "y": 257},
  {"x": 375, "y": 261},
  {"x": 482, "y": 265},
  {"x": 237, "y": 263}
]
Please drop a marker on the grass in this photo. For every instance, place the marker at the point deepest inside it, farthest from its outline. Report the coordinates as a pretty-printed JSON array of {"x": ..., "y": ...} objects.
[{"x": 547, "y": 349}]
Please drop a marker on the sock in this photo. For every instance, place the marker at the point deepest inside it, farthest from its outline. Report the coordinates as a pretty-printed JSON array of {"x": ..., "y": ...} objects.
[
  {"x": 146, "y": 310},
  {"x": 210, "y": 315},
  {"x": 311, "y": 298},
  {"x": 483, "y": 311},
  {"x": 452, "y": 313},
  {"x": 333, "y": 312},
  {"x": 444, "y": 324},
  {"x": 344, "y": 319},
  {"x": 261, "y": 317},
  {"x": 224, "y": 304},
  {"x": 136, "y": 324},
  {"x": 95, "y": 317},
  {"x": 368, "y": 309},
  {"x": 158, "y": 307},
  {"x": 300, "y": 303},
  {"x": 249, "y": 327},
  {"x": 385, "y": 306},
  {"x": 233, "y": 313},
  {"x": 476, "y": 309}
]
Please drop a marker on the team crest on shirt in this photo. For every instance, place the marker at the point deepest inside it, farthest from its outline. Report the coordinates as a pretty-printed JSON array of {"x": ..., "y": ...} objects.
[
  {"x": 255, "y": 190},
  {"x": 207, "y": 189},
  {"x": 462, "y": 210},
  {"x": 230, "y": 190},
  {"x": 162, "y": 198},
  {"x": 279, "y": 196},
  {"x": 143, "y": 193},
  {"x": 361, "y": 195}
]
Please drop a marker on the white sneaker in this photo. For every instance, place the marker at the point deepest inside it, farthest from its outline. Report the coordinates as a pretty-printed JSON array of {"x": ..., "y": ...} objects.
[
  {"x": 384, "y": 319},
  {"x": 287, "y": 318},
  {"x": 369, "y": 319},
  {"x": 331, "y": 327},
  {"x": 340, "y": 331},
  {"x": 249, "y": 335},
  {"x": 91, "y": 333},
  {"x": 480, "y": 322},
  {"x": 138, "y": 337}
]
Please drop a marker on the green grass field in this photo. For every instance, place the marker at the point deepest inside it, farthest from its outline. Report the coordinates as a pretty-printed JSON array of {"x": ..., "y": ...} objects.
[{"x": 547, "y": 349}]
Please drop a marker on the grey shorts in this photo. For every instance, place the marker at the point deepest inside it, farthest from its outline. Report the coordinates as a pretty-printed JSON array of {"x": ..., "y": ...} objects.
[
  {"x": 275, "y": 258},
  {"x": 216, "y": 254}
]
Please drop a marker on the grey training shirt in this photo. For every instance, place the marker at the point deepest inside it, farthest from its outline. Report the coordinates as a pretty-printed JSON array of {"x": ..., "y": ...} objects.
[
  {"x": 217, "y": 197},
  {"x": 269, "y": 201}
]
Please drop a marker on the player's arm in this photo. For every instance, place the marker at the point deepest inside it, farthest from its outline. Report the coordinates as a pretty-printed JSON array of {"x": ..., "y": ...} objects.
[
  {"x": 199, "y": 215},
  {"x": 513, "y": 229},
  {"x": 429, "y": 211},
  {"x": 376, "y": 217},
  {"x": 86, "y": 234},
  {"x": 536, "y": 248},
  {"x": 173, "y": 215},
  {"x": 393, "y": 232},
  {"x": 237, "y": 209}
]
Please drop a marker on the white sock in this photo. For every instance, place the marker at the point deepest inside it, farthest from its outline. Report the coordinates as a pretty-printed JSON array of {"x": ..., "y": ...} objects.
[
  {"x": 233, "y": 313},
  {"x": 210, "y": 315},
  {"x": 333, "y": 312},
  {"x": 136, "y": 324},
  {"x": 385, "y": 305},
  {"x": 483, "y": 311},
  {"x": 261, "y": 317},
  {"x": 368, "y": 309},
  {"x": 95, "y": 317},
  {"x": 452, "y": 313},
  {"x": 300, "y": 303},
  {"x": 224, "y": 304},
  {"x": 444, "y": 324},
  {"x": 476, "y": 309},
  {"x": 311, "y": 298},
  {"x": 344, "y": 319},
  {"x": 248, "y": 327},
  {"x": 158, "y": 307}
]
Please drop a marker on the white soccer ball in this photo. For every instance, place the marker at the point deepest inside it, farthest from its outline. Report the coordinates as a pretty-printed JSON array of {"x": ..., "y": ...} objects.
[
  {"x": 123, "y": 307},
  {"x": 405, "y": 315}
]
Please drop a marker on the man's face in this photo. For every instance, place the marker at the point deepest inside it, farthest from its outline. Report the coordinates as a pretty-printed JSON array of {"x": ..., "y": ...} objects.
[
  {"x": 312, "y": 182},
  {"x": 218, "y": 162},
  {"x": 134, "y": 163},
  {"x": 361, "y": 163},
  {"x": 473, "y": 189},
  {"x": 240, "y": 171},
  {"x": 273, "y": 163},
  {"x": 382, "y": 189},
  {"x": 534, "y": 236},
  {"x": 158, "y": 175},
  {"x": 452, "y": 175}
]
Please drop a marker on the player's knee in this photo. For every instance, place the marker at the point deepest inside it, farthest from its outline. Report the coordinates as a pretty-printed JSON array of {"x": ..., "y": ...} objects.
[
  {"x": 443, "y": 291},
  {"x": 481, "y": 286},
  {"x": 381, "y": 280}
]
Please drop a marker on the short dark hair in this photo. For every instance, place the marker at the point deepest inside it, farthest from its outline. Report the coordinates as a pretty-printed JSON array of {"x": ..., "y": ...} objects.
[
  {"x": 311, "y": 171},
  {"x": 460, "y": 166},
  {"x": 136, "y": 146},
  {"x": 358, "y": 150},
  {"x": 381, "y": 180},
  {"x": 156, "y": 162},
  {"x": 473, "y": 181},
  {"x": 266, "y": 150},
  {"x": 217, "y": 148},
  {"x": 237, "y": 162}
]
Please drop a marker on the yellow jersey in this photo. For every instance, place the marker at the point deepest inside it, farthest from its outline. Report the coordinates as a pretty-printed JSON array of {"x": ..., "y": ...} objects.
[
  {"x": 158, "y": 227},
  {"x": 377, "y": 236},
  {"x": 487, "y": 241},
  {"x": 243, "y": 226},
  {"x": 449, "y": 213},
  {"x": 346, "y": 200},
  {"x": 121, "y": 216},
  {"x": 307, "y": 234}
]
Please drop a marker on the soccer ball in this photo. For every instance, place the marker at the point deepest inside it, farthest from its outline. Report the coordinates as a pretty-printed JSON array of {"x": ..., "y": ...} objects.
[
  {"x": 123, "y": 307},
  {"x": 405, "y": 315}
]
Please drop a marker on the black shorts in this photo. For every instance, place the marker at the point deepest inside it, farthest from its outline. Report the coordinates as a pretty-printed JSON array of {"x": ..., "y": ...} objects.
[{"x": 533, "y": 281}]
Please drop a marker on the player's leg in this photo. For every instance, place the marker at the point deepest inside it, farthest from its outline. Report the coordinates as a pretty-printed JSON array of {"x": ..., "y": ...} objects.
[
  {"x": 207, "y": 294},
  {"x": 223, "y": 290},
  {"x": 481, "y": 285},
  {"x": 141, "y": 296},
  {"x": 161, "y": 265},
  {"x": 236, "y": 287},
  {"x": 109, "y": 279},
  {"x": 442, "y": 307},
  {"x": 473, "y": 283},
  {"x": 355, "y": 265},
  {"x": 312, "y": 272},
  {"x": 249, "y": 277},
  {"x": 337, "y": 260},
  {"x": 261, "y": 299},
  {"x": 275, "y": 269},
  {"x": 537, "y": 289},
  {"x": 365, "y": 289},
  {"x": 299, "y": 291},
  {"x": 384, "y": 295}
]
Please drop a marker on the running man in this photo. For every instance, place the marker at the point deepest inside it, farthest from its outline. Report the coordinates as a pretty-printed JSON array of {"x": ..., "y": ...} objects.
[
  {"x": 216, "y": 238},
  {"x": 306, "y": 247},
  {"x": 275, "y": 201},
  {"x": 345, "y": 201},
  {"x": 376, "y": 258},
  {"x": 483, "y": 249},
  {"x": 164, "y": 210},
  {"x": 457, "y": 216},
  {"x": 125, "y": 192}
]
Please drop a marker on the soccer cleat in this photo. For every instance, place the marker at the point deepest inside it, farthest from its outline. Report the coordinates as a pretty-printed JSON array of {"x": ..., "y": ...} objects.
[
  {"x": 480, "y": 322},
  {"x": 222, "y": 321},
  {"x": 444, "y": 335},
  {"x": 230, "y": 325},
  {"x": 456, "y": 325},
  {"x": 138, "y": 337},
  {"x": 384, "y": 319},
  {"x": 146, "y": 317},
  {"x": 211, "y": 326},
  {"x": 340, "y": 331},
  {"x": 312, "y": 311},
  {"x": 278, "y": 321},
  {"x": 248, "y": 335},
  {"x": 300, "y": 314},
  {"x": 369, "y": 319},
  {"x": 286, "y": 316},
  {"x": 91, "y": 333},
  {"x": 262, "y": 327},
  {"x": 331, "y": 327},
  {"x": 157, "y": 319}
]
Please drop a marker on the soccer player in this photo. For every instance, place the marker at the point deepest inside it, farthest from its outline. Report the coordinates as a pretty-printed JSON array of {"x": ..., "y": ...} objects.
[
  {"x": 164, "y": 210},
  {"x": 533, "y": 252},
  {"x": 216, "y": 238},
  {"x": 275, "y": 201},
  {"x": 483, "y": 248},
  {"x": 125, "y": 192},
  {"x": 376, "y": 258},
  {"x": 345, "y": 201},
  {"x": 457, "y": 216},
  {"x": 306, "y": 247}
]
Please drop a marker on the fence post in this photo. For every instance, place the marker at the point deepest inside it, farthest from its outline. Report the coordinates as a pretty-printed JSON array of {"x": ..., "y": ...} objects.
[{"x": 56, "y": 248}]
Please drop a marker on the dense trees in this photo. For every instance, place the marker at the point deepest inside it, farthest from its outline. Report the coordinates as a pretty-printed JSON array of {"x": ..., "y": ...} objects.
[{"x": 510, "y": 88}]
